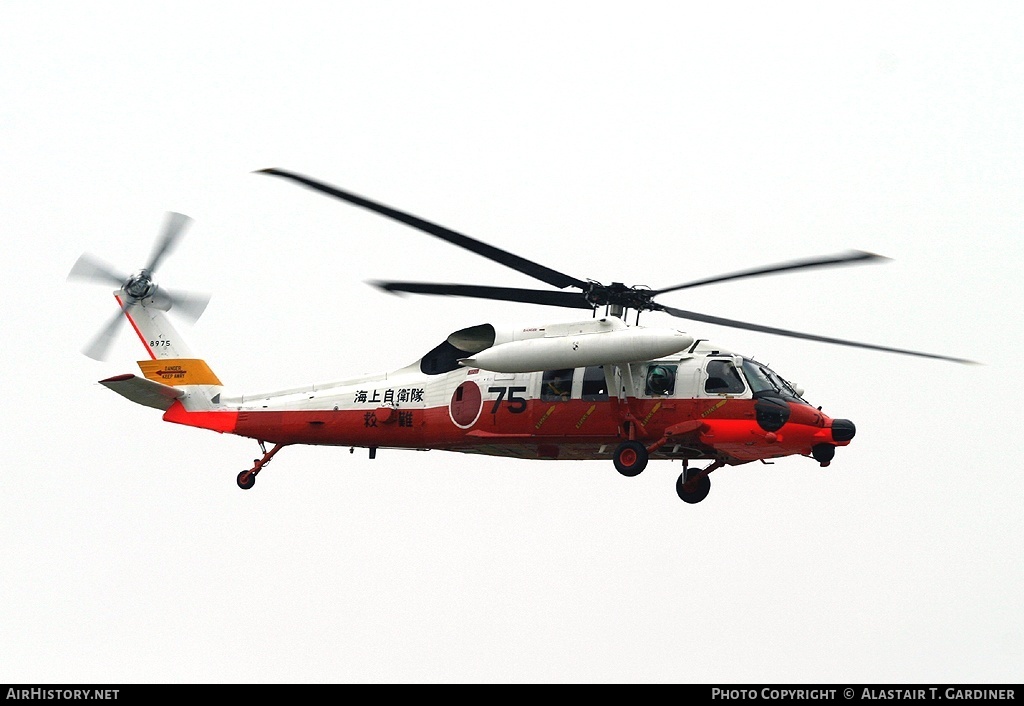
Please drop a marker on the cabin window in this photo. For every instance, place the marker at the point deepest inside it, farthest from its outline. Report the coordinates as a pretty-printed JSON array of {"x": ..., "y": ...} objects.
[
  {"x": 595, "y": 387},
  {"x": 661, "y": 379},
  {"x": 556, "y": 385},
  {"x": 723, "y": 378}
]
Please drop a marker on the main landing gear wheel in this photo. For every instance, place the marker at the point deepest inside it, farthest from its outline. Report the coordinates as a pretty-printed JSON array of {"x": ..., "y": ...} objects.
[
  {"x": 630, "y": 458},
  {"x": 246, "y": 480},
  {"x": 693, "y": 489}
]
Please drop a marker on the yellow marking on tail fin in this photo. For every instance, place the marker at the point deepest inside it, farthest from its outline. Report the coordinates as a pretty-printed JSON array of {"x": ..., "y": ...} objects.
[{"x": 178, "y": 371}]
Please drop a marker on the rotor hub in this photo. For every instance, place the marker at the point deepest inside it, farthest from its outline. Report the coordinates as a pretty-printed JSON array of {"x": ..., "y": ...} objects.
[
  {"x": 618, "y": 294},
  {"x": 140, "y": 285}
]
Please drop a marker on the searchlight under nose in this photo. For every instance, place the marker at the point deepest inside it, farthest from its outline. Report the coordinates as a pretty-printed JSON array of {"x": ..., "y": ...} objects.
[{"x": 843, "y": 430}]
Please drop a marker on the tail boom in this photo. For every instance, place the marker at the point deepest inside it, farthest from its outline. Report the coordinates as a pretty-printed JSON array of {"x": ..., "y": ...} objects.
[{"x": 224, "y": 421}]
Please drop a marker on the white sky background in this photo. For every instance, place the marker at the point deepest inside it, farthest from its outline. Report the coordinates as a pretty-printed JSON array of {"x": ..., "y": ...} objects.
[{"x": 649, "y": 143}]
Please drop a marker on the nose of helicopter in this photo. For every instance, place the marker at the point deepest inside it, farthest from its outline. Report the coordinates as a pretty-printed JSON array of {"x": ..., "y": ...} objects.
[
  {"x": 843, "y": 430},
  {"x": 836, "y": 432}
]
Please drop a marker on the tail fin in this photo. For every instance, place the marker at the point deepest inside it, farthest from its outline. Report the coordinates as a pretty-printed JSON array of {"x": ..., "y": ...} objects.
[
  {"x": 171, "y": 362},
  {"x": 173, "y": 374}
]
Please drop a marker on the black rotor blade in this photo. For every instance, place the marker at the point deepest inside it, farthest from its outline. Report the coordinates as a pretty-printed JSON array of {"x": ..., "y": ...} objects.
[
  {"x": 732, "y": 323},
  {"x": 174, "y": 226},
  {"x": 573, "y": 300},
  {"x": 847, "y": 258},
  {"x": 527, "y": 267}
]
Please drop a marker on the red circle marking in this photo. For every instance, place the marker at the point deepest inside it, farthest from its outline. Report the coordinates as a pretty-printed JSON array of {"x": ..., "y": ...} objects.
[{"x": 466, "y": 404}]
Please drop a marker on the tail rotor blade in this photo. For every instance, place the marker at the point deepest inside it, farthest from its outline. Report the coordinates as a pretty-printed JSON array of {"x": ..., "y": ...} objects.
[
  {"x": 174, "y": 227},
  {"x": 189, "y": 305},
  {"x": 91, "y": 268},
  {"x": 100, "y": 344}
]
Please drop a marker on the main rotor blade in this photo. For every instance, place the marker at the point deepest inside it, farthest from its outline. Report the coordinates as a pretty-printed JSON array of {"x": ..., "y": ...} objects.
[
  {"x": 95, "y": 270},
  {"x": 174, "y": 226},
  {"x": 731, "y": 323},
  {"x": 527, "y": 267},
  {"x": 574, "y": 300},
  {"x": 97, "y": 348},
  {"x": 847, "y": 258}
]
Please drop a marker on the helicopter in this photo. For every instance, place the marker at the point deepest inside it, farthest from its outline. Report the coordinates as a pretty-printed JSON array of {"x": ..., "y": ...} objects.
[{"x": 593, "y": 389}]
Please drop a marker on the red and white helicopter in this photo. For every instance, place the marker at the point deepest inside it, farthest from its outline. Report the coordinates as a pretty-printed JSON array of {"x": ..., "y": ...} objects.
[{"x": 593, "y": 389}]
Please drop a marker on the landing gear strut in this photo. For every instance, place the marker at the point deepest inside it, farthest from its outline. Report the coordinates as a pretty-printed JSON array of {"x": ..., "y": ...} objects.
[
  {"x": 693, "y": 484},
  {"x": 247, "y": 479}
]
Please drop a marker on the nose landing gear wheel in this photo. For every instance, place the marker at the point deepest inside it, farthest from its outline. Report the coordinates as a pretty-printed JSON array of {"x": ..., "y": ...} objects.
[
  {"x": 693, "y": 489},
  {"x": 630, "y": 458},
  {"x": 246, "y": 480}
]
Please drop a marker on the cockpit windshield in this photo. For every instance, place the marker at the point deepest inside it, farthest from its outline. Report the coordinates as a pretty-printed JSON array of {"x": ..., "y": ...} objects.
[
  {"x": 763, "y": 380},
  {"x": 757, "y": 377}
]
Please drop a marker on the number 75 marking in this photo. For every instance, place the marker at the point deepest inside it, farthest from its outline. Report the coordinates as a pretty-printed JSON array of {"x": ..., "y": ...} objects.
[{"x": 516, "y": 404}]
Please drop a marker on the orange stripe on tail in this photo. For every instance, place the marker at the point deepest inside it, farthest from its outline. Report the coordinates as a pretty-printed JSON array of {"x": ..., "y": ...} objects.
[{"x": 179, "y": 371}]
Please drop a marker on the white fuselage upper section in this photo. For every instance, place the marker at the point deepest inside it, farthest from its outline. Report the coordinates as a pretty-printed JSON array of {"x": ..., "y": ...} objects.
[{"x": 607, "y": 341}]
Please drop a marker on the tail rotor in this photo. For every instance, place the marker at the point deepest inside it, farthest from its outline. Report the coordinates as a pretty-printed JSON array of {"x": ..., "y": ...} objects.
[{"x": 139, "y": 289}]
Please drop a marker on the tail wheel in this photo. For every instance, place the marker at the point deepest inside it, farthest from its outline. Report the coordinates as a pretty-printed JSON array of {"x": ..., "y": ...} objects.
[
  {"x": 630, "y": 458},
  {"x": 693, "y": 489}
]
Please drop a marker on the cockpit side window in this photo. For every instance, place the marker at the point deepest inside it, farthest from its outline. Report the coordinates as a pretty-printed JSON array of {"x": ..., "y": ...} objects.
[
  {"x": 661, "y": 379},
  {"x": 723, "y": 378}
]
